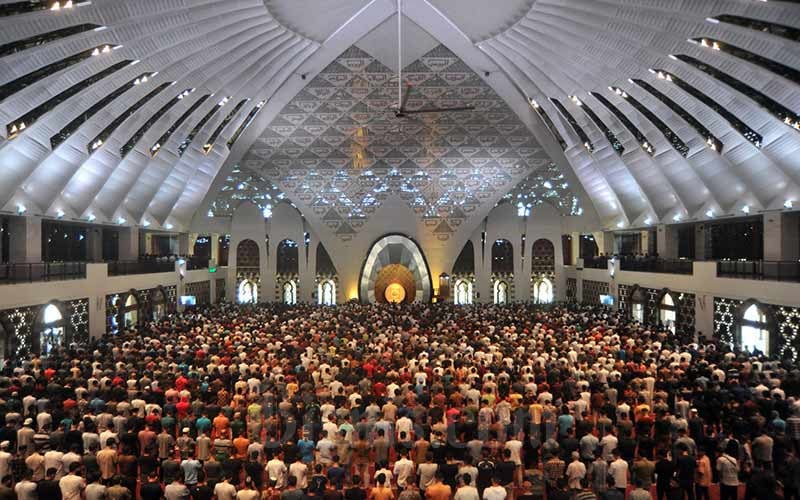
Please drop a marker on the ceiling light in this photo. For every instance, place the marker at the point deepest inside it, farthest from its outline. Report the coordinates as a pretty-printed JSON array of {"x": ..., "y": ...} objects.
[
  {"x": 96, "y": 52},
  {"x": 59, "y": 213},
  {"x": 710, "y": 213},
  {"x": 55, "y": 6},
  {"x": 676, "y": 217},
  {"x": 672, "y": 56},
  {"x": 788, "y": 204},
  {"x": 21, "y": 209},
  {"x": 168, "y": 226},
  {"x": 146, "y": 223},
  {"x": 620, "y": 224},
  {"x": 712, "y": 20},
  {"x": 746, "y": 209},
  {"x": 210, "y": 213},
  {"x": 91, "y": 217},
  {"x": 106, "y": 49},
  {"x": 576, "y": 100},
  {"x": 533, "y": 103},
  {"x": 648, "y": 221},
  {"x": 121, "y": 220}
]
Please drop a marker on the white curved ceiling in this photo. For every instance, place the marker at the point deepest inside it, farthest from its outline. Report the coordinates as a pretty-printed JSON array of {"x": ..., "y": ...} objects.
[{"x": 268, "y": 50}]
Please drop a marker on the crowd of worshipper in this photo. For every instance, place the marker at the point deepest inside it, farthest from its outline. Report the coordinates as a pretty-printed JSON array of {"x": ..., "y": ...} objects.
[{"x": 385, "y": 402}]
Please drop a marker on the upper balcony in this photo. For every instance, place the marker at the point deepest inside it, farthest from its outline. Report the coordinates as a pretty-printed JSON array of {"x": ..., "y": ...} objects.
[
  {"x": 767, "y": 270},
  {"x": 643, "y": 264}
]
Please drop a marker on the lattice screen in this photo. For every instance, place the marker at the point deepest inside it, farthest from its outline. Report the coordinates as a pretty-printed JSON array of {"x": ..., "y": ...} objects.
[
  {"x": 172, "y": 297},
  {"x": 201, "y": 290},
  {"x": 572, "y": 289},
  {"x": 592, "y": 290},
  {"x": 247, "y": 254},
  {"x": 21, "y": 320},
  {"x": 624, "y": 292},
  {"x": 221, "y": 292},
  {"x": 788, "y": 319},
  {"x": 78, "y": 312},
  {"x": 685, "y": 312},
  {"x": 112, "y": 312},
  {"x": 725, "y": 318}
]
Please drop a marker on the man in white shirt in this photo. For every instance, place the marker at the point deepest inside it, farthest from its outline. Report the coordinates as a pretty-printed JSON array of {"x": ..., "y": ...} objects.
[
  {"x": 495, "y": 491},
  {"x": 225, "y": 490},
  {"x": 299, "y": 470},
  {"x": 576, "y": 471},
  {"x": 466, "y": 491},
  {"x": 72, "y": 485},
  {"x": 276, "y": 471},
  {"x": 403, "y": 469},
  {"x": 5, "y": 459},
  {"x": 618, "y": 469}
]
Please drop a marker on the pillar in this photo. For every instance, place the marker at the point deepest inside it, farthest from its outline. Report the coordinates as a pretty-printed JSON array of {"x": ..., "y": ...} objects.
[
  {"x": 576, "y": 248},
  {"x": 94, "y": 244},
  {"x": 183, "y": 244},
  {"x": 307, "y": 270},
  {"x": 522, "y": 271},
  {"x": 667, "y": 241},
  {"x": 781, "y": 236},
  {"x": 214, "y": 242},
  {"x": 699, "y": 242},
  {"x": 25, "y": 239},
  {"x": 644, "y": 241},
  {"x": 483, "y": 271},
  {"x": 129, "y": 243},
  {"x": 704, "y": 315}
]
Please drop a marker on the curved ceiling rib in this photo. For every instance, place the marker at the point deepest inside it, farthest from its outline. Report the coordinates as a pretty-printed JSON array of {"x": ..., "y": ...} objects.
[
  {"x": 557, "y": 49},
  {"x": 586, "y": 169},
  {"x": 86, "y": 183}
]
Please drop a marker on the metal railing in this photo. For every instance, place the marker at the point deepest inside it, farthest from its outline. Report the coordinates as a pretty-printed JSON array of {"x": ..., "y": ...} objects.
[
  {"x": 31, "y": 272},
  {"x": 123, "y": 267},
  {"x": 667, "y": 266},
  {"x": 769, "y": 270}
]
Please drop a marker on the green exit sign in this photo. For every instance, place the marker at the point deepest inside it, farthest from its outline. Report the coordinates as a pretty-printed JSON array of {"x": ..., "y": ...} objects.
[{"x": 212, "y": 269}]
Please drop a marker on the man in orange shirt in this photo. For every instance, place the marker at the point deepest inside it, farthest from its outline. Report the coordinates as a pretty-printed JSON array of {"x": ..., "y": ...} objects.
[
  {"x": 438, "y": 490},
  {"x": 381, "y": 491},
  {"x": 703, "y": 475},
  {"x": 240, "y": 444},
  {"x": 221, "y": 424}
]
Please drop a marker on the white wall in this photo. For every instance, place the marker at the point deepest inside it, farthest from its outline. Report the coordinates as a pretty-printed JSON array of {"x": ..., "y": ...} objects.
[{"x": 95, "y": 287}]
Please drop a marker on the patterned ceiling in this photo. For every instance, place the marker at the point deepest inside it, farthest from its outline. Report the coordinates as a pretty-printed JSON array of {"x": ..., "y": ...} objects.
[{"x": 338, "y": 149}]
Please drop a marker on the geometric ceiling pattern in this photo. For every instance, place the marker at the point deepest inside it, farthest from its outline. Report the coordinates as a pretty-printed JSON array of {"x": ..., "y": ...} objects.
[
  {"x": 547, "y": 185},
  {"x": 339, "y": 150},
  {"x": 242, "y": 185},
  {"x": 682, "y": 110}
]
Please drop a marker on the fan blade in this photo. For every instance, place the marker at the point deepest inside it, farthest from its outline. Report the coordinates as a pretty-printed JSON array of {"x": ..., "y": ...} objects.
[
  {"x": 402, "y": 108},
  {"x": 437, "y": 110}
]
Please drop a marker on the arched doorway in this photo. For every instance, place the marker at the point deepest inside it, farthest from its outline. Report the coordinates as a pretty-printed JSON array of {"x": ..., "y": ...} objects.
[
  {"x": 289, "y": 293},
  {"x": 543, "y": 291},
  {"x": 463, "y": 292},
  {"x": 247, "y": 292},
  {"x": 51, "y": 330},
  {"x": 638, "y": 300},
  {"x": 667, "y": 311},
  {"x": 754, "y": 331},
  {"x": 500, "y": 292},
  {"x": 158, "y": 302},
  {"x": 129, "y": 311},
  {"x": 326, "y": 293},
  {"x": 402, "y": 251}
]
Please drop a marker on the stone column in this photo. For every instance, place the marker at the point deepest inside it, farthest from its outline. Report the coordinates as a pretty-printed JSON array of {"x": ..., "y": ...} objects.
[
  {"x": 129, "y": 243},
  {"x": 94, "y": 244},
  {"x": 25, "y": 239},
  {"x": 667, "y": 241},
  {"x": 700, "y": 242},
  {"x": 483, "y": 272},
  {"x": 781, "y": 236},
  {"x": 576, "y": 248}
]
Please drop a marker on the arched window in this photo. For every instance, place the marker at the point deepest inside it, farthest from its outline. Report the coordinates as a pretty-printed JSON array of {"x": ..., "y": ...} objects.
[
  {"x": 326, "y": 293},
  {"x": 755, "y": 335},
  {"x": 290, "y": 292},
  {"x": 52, "y": 334},
  {"x": 543, "y": 291},
  {"x": 248, "y": 292},
  {"x": 130, "y": 311},
  {"x": 500, "y": 292},
  {"x": 463, "y": 295},
  {"x": 666, "y": 312},
  {"x": 502, "y": 257}
]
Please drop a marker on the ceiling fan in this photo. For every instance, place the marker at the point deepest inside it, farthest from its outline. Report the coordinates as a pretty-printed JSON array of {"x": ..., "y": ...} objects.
[{"x": 400, "y": 110}]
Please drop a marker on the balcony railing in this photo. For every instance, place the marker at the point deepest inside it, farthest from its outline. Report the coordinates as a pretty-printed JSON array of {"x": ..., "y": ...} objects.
[
  {"x": 769, "y": 270},
  {"x": 123, "y": 268},
  {"x": 643, "y": 265},
  {"x": 668, "y": 266},
  {"x": 22, "y": 272}
]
